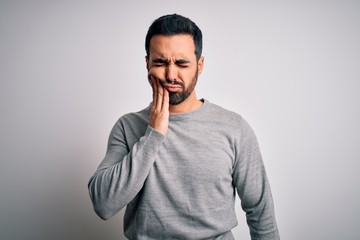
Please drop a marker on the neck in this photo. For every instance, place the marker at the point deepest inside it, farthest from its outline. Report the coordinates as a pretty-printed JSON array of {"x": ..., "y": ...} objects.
[{"x": 189, "y": 104}]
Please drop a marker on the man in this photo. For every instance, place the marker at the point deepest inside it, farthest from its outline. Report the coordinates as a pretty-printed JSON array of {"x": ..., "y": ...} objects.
[{"x": 178, "y": 163}]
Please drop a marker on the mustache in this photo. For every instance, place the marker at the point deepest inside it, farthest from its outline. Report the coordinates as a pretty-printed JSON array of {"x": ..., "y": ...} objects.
[
  {"x": 172, "y": 82},
  {"x": 166, "y": 81}
]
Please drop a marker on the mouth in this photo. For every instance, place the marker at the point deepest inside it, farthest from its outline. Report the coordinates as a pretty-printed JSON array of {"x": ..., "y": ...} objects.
[{"x": 173, "y": 87}]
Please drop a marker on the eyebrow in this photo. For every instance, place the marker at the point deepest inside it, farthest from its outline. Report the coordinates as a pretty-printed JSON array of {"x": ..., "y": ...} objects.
[
  {"x": 159, "y": 60},
  {"x": 182, "y": 61}
]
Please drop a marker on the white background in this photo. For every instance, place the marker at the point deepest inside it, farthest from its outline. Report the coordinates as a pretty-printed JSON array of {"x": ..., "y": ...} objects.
[{"x": 70, "y": 69}]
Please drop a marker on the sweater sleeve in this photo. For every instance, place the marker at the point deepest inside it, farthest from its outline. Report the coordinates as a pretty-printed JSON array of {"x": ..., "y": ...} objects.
[
  {"x": 123, "y": 171},
  {"x": 253, "y": 188}
]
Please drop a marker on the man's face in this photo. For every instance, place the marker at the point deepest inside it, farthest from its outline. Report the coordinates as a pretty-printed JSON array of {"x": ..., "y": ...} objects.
[{"x": 172, "y": 60}]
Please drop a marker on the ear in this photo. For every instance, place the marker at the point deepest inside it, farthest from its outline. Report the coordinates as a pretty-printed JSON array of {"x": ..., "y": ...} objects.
[
  {"x": 200, "y": 65},
  {"x": 147, "y": 62}
]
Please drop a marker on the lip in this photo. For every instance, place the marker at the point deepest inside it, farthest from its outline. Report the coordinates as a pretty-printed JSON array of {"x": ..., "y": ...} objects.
[{"x": 172, "y": 88}]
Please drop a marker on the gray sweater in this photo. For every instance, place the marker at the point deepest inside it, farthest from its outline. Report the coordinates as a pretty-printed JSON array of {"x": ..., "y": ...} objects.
[{"x": 183, "y": 185}]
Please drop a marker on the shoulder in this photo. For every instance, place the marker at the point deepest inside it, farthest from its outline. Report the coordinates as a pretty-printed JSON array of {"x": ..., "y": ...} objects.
[
  {"x": 133, "y": 119},
  {"x": 233, "y": 120},
  {"x": 136, "y": 116},
  {"x": 235, "y": 126}
]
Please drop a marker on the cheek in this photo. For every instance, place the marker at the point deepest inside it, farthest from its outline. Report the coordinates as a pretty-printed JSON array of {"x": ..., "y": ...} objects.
[
  {"x": 157, "y": 72},
  {"x": 188, "y": 75}
]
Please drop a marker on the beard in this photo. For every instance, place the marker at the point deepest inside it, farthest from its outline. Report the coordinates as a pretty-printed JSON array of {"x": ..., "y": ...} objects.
[{"x": 176, "y": 98}]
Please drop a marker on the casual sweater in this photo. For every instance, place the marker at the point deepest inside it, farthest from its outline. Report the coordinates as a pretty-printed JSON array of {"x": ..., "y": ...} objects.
[{"x": 183, "y": 185}]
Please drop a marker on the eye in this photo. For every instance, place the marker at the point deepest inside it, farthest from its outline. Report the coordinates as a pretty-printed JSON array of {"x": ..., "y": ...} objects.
[
  {"x": 159, "y": 64},
  {"x": 183, "y": 65}
]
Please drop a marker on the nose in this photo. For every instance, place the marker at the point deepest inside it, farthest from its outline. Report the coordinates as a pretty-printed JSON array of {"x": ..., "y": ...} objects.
[{"x": 171, "y": 72}]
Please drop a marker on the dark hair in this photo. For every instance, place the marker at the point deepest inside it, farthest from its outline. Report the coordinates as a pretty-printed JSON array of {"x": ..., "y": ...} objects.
[{"x": 174, "y": 24}]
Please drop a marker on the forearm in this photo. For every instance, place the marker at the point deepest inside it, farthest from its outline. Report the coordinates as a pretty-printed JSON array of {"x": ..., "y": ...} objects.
[
  {"x": 113, "y": 186},
  {"x": 251, "y": 181},
  {"x": 260, "y": 216}
]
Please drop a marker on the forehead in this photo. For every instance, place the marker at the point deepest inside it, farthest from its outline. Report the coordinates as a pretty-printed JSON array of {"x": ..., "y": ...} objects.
[{"x": 175, "y": 46}]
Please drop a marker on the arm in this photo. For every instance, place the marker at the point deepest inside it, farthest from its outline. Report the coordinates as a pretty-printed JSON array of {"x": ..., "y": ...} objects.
[
  {"x": 253, "y": 188},
  {"x": 122, "y": 173}
]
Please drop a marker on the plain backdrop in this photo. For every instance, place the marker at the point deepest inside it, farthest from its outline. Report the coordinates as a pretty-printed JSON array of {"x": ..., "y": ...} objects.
[{"x": 70, "y": 69}]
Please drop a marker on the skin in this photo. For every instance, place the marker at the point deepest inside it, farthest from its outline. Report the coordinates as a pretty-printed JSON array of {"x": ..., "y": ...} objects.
[{"x": 172, "y": 58}]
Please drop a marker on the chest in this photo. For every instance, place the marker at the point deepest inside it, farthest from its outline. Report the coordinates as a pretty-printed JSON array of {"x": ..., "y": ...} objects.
[{"x": 196, "y": 154}]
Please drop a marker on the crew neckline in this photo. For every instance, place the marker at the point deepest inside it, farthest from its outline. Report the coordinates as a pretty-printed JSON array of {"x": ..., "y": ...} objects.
[
  {"x": 181, "y": 116},
  {"x": 187, "y": 115}
]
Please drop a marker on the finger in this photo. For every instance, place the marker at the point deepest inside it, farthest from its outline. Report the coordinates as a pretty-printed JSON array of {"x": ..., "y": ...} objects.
[
  {"x": 153, "y": 83},
  {"x": 165, "y": 105},
  {"x": 160, "y": 95}
]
